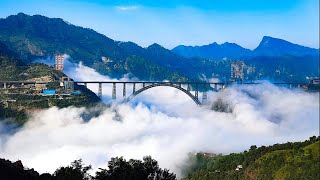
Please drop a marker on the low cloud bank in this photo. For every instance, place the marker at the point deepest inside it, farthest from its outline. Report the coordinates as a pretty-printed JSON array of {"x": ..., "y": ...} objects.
[{"x": 164, "y": 123}]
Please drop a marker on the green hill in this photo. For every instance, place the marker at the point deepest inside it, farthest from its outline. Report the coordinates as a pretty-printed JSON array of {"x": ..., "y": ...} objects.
[
  {"x": 14, "y": 106},
  {"x": 289, "y": 161},
  {"x": 41, "y": 37}
]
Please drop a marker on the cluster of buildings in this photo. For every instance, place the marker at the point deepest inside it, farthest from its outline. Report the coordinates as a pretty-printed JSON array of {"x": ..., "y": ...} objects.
[
  {"x": 45, "y": 85},
  {"x": 66, "y": 85},
  {"x": 240, "y": 71}
]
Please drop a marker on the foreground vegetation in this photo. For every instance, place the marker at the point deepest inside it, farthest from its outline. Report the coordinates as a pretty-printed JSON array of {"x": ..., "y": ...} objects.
[
  {"x": 298, "y": 160},
  {"x": 118, "y": 169}
]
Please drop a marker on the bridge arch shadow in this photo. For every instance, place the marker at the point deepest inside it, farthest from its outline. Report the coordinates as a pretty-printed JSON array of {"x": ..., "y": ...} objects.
[{"x": 193, "y": 97}]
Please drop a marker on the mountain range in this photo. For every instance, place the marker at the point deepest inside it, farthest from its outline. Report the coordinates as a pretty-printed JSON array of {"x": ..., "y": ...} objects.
[
  {"x": 269, "y": 46},
  {"x": 37, "y": 36}
]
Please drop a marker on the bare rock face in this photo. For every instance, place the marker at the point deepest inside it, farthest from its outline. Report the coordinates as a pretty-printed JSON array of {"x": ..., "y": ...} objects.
[{"x": 34, "y": 50}]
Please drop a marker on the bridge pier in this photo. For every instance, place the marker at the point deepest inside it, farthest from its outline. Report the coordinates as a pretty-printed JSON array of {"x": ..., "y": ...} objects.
[
  {"x": 124, "y": 90},
  {"x": 114, "y": 91},
  {"x": 134, "y": 88},
  {"x": 216, "y": 87},
  {"x": 4, "y": 85},
  {"x": 204, "y": 98},
  {"x": 100, "y": 91},
  {"x": 85, "y": 84},
  {"x": 196, "y": 93},
  {"x": 188, "y": 87}
]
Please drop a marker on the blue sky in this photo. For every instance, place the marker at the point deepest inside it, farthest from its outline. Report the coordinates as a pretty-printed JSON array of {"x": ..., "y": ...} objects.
[{"x": 189, "y": 22}]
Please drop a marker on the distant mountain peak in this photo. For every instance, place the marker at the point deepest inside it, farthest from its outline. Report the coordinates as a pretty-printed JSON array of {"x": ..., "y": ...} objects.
[
  {"x": 213, "y": 44},
  {"x": 213, "y": 51},
  {"x": 269, "y": 39},
  {"x": 22, "y": 14},
  {"x": 270, "y": 46},
  {"x": 155, "y": 45}
]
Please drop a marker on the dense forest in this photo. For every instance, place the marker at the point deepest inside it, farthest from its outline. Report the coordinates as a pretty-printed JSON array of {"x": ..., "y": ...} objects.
[
  {"x": 297, "y": 160},
  {"x": 118, "y": 169}
]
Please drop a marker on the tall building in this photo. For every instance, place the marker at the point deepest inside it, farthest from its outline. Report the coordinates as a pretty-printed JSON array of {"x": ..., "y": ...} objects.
[
  {"x": 237, "y": 70},
  {"x": 59, "y": 65}
]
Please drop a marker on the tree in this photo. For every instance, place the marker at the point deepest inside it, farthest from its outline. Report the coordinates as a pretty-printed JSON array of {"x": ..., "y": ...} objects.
[
  {"x": 162, "y": 175},
  {"x": 77, "y": 171},
  {"x": 120, "y": 169}
]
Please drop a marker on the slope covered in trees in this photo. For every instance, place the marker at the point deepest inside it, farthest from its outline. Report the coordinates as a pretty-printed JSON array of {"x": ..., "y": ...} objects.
[
  {"x": 37, "y": 36},
  {"x": 13, "y": 106},
  {"x": 298, "y": 160}
]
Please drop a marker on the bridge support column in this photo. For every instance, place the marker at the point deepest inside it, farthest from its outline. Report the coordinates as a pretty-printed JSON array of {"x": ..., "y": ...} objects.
[
  {"x": 5, "y": 86},
  {"x": 290, "y": 86},
  {"x": 85, "y": 84},
  {"x": 143, "y": 84},
  {"x": 134, "y": 88},
  {"x": 114, "y": 91},
  {"x": 223, "y": 86},
  {"x": 124, "y": 90},
  {"x": 179, "y": 85},
  {"x": 100, "y": 91},
  {"x": 196, "y": 94},
  {"x": 216, "y": 87},
  {"x": 204, "y": 98},
  {"x": 188, "y": 87}
]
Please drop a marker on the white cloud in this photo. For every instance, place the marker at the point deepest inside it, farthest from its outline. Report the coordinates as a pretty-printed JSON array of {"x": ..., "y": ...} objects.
[
  {"x": 127, "y": 8},
  {"x": 166, "y": 125}
]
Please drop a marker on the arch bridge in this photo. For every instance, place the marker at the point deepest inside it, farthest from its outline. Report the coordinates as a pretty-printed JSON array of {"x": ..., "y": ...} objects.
[{"x": 192, "y": 89}]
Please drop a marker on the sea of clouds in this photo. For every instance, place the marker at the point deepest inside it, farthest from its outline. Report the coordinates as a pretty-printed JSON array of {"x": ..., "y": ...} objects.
[{"x": 162, "y": 122}]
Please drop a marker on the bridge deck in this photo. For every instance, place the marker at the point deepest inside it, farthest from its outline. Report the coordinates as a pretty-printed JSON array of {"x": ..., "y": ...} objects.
[
  {"x": 176, "y": 82},
  {"x": 151, "y": 82}
]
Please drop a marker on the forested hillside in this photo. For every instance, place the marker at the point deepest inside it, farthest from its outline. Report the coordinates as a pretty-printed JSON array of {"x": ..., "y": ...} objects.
[
  {"x": 41, "y": 37},
  {"x": 298, "y": 160},
  {"x": 14, "y": 106}
]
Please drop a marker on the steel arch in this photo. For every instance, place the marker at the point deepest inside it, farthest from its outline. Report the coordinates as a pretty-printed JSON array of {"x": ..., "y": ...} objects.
[{"x": 196, "y": 100}]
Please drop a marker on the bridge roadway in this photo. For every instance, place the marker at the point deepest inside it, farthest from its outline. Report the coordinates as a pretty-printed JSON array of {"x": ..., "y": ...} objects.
[
  {"x": 186, "y": 87},
  {"x": 179, "y": 82},
  {"x": 148, "y": 82}
]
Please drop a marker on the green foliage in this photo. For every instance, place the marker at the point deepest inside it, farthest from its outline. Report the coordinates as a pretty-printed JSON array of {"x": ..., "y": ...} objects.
[
  {"x": 15, "y": 116},
  {"x": 120, "y": 169},
  {"x": 298, "y": 160},
  {"x": 76, "y": 171}
]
